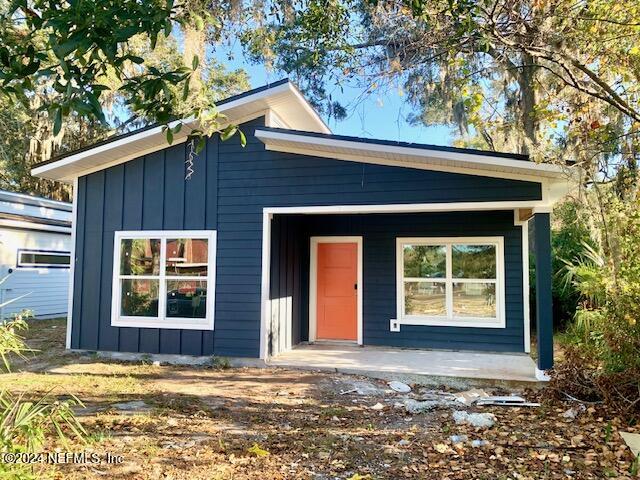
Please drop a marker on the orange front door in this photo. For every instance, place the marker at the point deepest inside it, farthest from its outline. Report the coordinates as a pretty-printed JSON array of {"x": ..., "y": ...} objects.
[{"x": 337, "y": 295}]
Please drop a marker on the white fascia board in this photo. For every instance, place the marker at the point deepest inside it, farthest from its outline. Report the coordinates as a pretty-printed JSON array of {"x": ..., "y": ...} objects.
[
  {"x": 323, "y": 127},
  {"x": 457, "y": 162},
  {"x": 405, "y": 208},
  {"x": 26, "y": 210},
  {"x": 17, "y": 224},
  {"x": 49, "y": 170},
  {"x": 154, "y": 139},
  {"x": 23, "y": 199}
]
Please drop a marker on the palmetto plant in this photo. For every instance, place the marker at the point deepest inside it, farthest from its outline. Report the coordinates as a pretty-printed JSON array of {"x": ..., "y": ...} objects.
[{"x": 25, "y": 423}]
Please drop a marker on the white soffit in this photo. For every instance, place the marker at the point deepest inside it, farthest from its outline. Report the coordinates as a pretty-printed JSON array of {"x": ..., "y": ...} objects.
[
  {"x": 283, "y": 99},
  {"x": 414, "y": 157}
]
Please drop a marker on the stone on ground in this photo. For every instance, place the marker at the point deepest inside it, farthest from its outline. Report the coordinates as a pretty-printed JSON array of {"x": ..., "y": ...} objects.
[
  {"x": 399, "y": 387},
  {"x": 478, "y": 420}
]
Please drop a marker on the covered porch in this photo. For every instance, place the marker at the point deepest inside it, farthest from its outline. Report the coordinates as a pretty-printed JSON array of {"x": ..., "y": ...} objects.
[
  {"x": 385, "y": 342},
  {"x": 411, "y": 365}
]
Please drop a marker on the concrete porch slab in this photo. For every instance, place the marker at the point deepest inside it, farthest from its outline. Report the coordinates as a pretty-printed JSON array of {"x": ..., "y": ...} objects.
[{"x": 419, "y": 366}]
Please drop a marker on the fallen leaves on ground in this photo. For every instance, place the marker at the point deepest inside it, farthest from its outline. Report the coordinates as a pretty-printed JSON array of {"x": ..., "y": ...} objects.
[{"x": 205, "y": 423}]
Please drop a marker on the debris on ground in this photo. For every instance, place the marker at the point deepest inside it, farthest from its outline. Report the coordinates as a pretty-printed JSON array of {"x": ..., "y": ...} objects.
[
  {"x": 506, "y": 401},
  {"x": 479, "y": 443},
  {"x": 203, "y": 423},
  {"x": 633, "y": 442},
  {"x": 415, "y": 406},
  {"x": 458, "y": 438},
  {"x": 478, "y": 420},
  {"x": 573, "y": 412},
  {"x": 378, "y": 406},
  {"x": 361, "y": 387},
  {"x": 399, "y": 387},
  {"x": 135, "y": 406},
  {"x": 438, "y": 395},
  {"x": 345, "y": 392},
  {"x": 469, "y": 396}
]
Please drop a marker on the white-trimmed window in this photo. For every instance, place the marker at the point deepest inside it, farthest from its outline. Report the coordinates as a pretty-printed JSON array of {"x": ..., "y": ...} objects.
[
  {"x": 164, "y": 279},
  {"x": 451, "y": 281},
  {"x": 43, "y": 259}
]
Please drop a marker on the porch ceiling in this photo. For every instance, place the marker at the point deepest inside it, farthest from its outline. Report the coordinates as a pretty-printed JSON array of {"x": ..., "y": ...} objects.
[{"x": 408, "y": 363}]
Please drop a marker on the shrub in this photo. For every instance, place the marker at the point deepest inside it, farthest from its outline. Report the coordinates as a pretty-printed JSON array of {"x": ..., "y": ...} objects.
[
  {"x": 568, "y": 237},
  {"x": 26, "y": 424},
  {"x": 603, "y": 340}
]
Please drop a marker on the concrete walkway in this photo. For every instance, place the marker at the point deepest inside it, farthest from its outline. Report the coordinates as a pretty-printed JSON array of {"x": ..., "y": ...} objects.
[{"x": 409, "y": 364}]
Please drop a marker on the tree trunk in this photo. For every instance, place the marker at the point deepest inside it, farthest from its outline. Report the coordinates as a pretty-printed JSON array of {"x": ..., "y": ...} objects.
[
  {"x": 526, "y": 82},
  {"x": 194, "y": 41}
]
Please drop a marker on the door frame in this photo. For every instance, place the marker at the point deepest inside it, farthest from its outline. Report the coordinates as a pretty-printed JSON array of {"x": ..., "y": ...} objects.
[{"x": 313, "y": 281}]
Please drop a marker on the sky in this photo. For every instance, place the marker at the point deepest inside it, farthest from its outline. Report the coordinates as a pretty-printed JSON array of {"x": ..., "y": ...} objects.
[{"x": 382, "y": 116}]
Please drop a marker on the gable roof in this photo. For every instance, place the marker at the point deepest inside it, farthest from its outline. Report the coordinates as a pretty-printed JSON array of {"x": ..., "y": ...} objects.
[
  {"x": 281, "y": 99},
  {"x": 305, "y": 133}
]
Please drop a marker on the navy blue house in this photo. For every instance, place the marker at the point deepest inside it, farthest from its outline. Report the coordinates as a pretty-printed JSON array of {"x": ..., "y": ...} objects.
[{"x": 304, "y": 236}]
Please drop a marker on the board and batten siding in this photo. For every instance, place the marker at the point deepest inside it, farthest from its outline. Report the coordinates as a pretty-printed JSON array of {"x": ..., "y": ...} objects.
[
  {"x": 291, "y": 236},
  {"x": 230, "y": 187}
]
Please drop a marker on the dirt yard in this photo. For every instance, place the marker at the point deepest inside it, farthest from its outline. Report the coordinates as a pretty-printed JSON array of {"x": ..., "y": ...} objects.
[{"x": 191, "y": 423}]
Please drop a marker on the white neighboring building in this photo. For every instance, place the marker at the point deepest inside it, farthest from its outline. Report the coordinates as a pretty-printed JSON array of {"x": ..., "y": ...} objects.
[{"x": 35, "y": 245}]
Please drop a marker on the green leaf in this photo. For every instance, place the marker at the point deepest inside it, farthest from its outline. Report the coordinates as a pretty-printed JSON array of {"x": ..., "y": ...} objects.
[
  {"x": 228, "y": 132},
  {"x": 185, "y": 90},
  {"x": 243, "y": 139},
  {"x": 31, "y": 68},
  {"x": 195, "y": 62},
  {"x": 169, "y": 136},
  {"x": 200, "y": 145},
  {"x": 57, "y": 122},
  {"x": 198, "y": 22}
]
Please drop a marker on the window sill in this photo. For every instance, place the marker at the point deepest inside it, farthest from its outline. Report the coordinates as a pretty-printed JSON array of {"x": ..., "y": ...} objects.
[
  {"x": 172, "y": 324},
  {"x": 467, "y": 322}
]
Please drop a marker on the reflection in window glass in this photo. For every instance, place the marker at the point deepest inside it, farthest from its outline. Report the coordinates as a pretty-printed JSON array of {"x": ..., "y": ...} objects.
[
  {"x": 186, "y": 257},
  {"x": 187, "y": 298},
  {"x": 425, "y": 298},
  {"x": 473, "y": 261},
  {"x": 140, "y": 256},
  {"x": 44, "y": 259},
  {"x": 471, "y": 299},
  {"x": 425, "y": 261},
  {"x": 139, "y": 298}
]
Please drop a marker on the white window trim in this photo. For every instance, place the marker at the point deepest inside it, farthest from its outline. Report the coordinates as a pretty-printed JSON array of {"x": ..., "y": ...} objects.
[
  {"x": 162, "y": 321},
  {"x": 58, "y": 253},
  {"x": 451, "y": 321}
]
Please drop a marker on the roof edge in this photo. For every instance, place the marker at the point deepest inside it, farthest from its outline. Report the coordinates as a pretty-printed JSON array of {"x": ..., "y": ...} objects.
[
  {"x": 25, "y": 199},
  {"x": 400, "y": 144},
  {"x": 413, "y": 155},
  {"x": 282, "y": 85}
]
